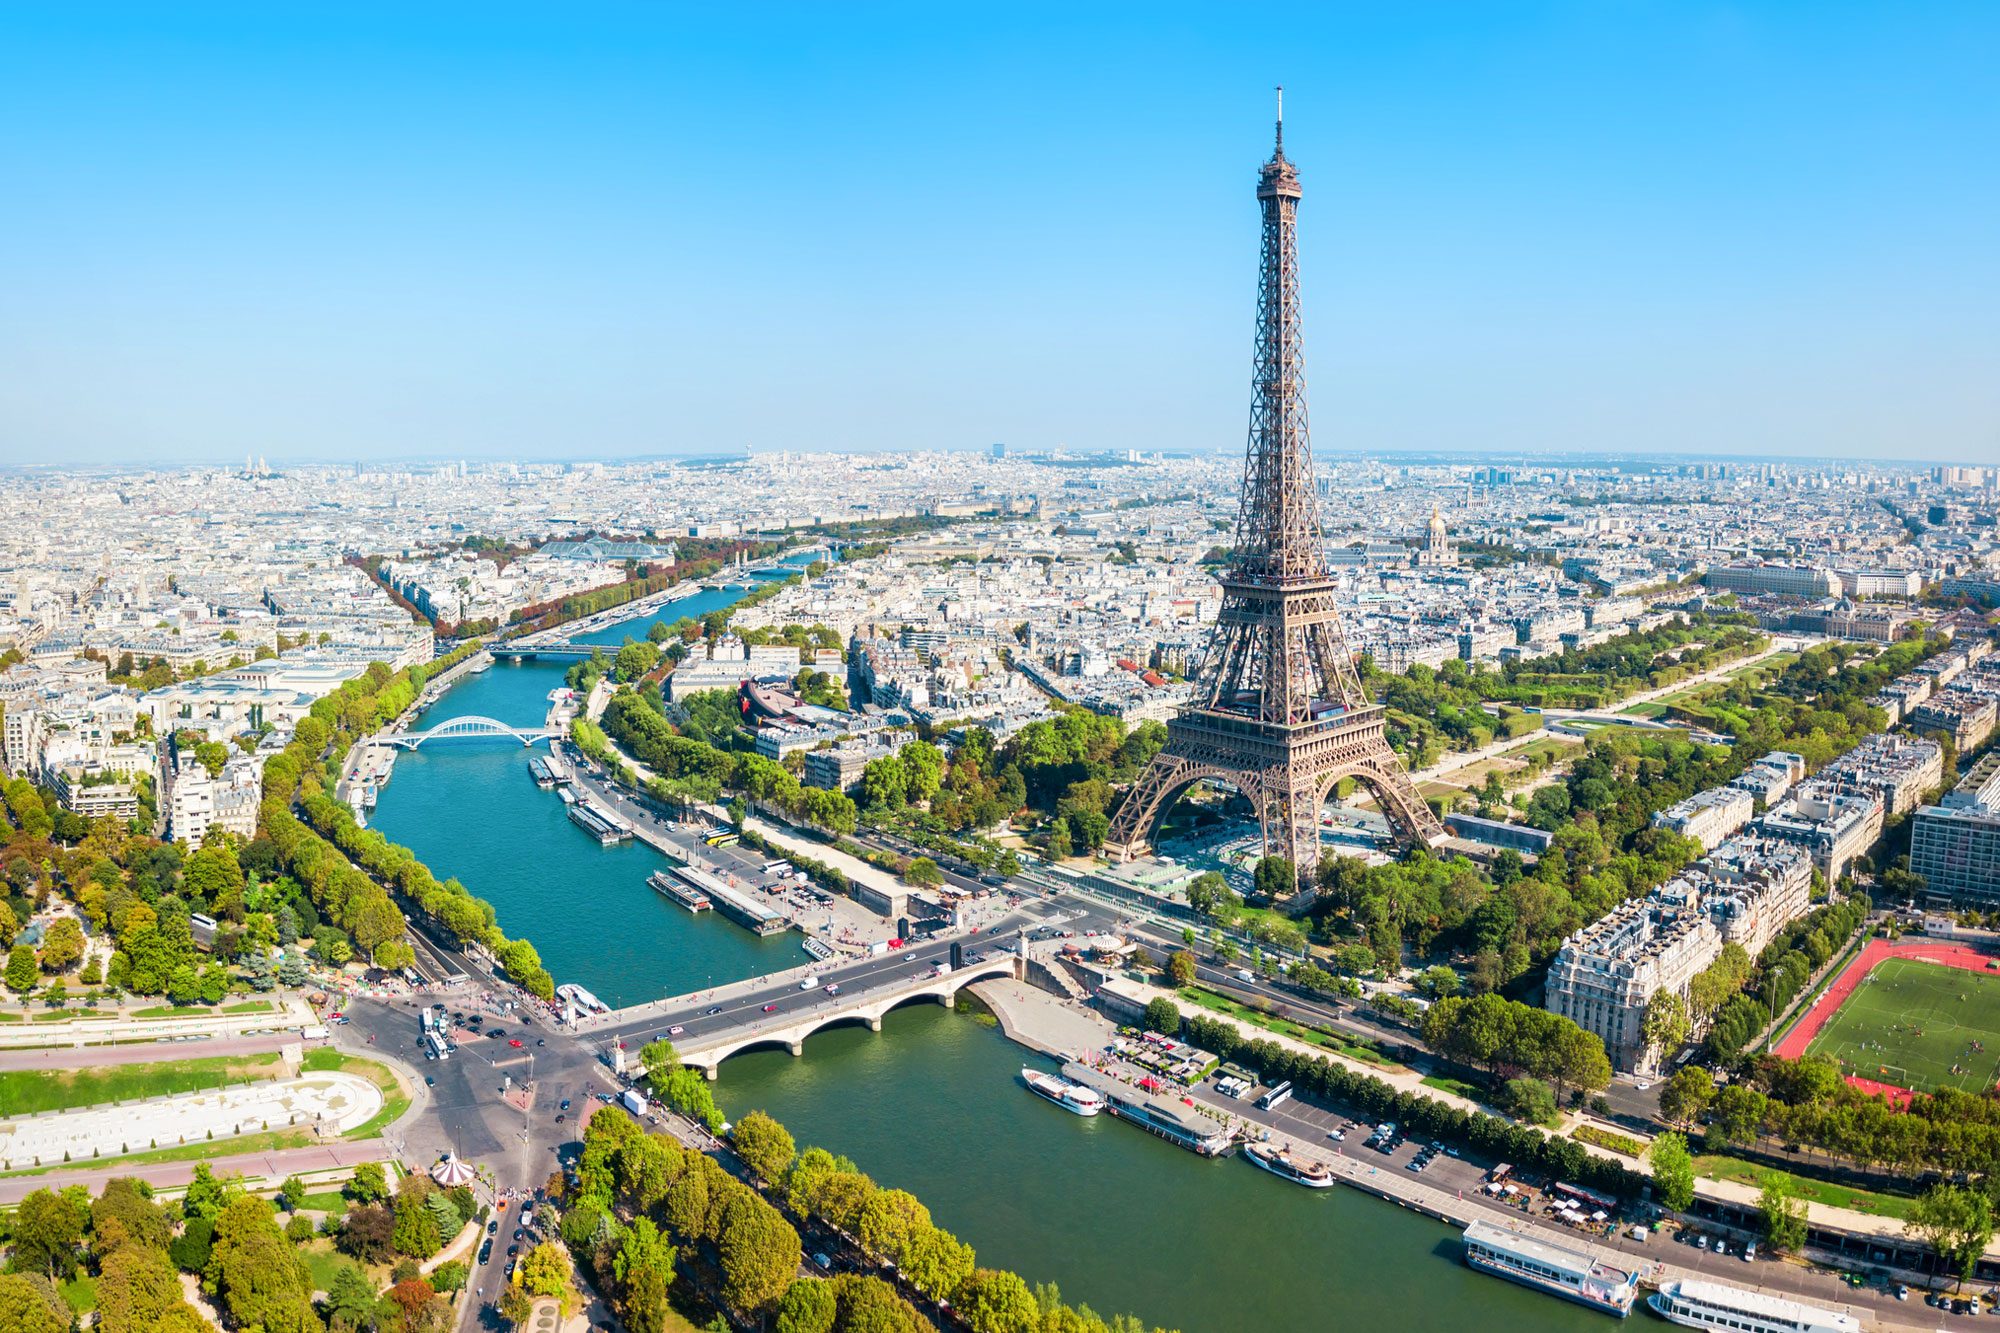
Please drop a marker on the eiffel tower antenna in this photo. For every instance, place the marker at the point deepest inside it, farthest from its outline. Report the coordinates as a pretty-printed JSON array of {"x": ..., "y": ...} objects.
[{"x": 1278, "y": 709}]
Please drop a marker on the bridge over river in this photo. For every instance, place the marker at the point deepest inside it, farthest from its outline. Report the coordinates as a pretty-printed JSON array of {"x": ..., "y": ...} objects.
[
  {"x": 782, "y": 1010},
  {"x": 468, "y": 727}
]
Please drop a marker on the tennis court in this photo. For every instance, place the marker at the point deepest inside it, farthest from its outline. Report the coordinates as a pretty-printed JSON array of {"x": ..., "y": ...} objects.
[{"x": 1918, "y": 1025}]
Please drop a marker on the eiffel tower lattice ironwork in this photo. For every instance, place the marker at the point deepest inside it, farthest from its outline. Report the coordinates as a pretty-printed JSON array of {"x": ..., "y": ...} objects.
[{"x": 1278, "y": 709}]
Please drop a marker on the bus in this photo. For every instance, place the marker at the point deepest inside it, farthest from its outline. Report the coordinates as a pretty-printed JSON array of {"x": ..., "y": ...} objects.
[
  {"x": 428, "y": 1021},
  {"x": 722, "y": 838},
  {"x": 1277, "y": 1096},
  {"x": 435, "y": 1040},
  {"x": 777, "y": 867}
]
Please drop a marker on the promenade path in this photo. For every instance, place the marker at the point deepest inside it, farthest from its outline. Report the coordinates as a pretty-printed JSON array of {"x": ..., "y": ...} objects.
[{"x": 265, "y": 1168}]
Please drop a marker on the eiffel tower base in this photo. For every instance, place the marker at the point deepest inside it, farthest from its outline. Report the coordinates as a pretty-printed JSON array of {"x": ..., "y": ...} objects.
[{"x": 1285, "y": 772}]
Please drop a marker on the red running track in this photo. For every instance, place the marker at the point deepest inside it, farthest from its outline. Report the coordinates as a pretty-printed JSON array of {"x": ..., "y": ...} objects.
[{"x": 1874, "y": 952}]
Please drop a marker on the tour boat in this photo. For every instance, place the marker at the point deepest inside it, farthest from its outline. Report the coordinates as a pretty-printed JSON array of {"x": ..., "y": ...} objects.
[
  {"x": 1073, "y": 1097},
  {"x": 1280, "y": 1162},
  {"x": 1696, "y": 1302},
  {"x": 1574, "y": 1274}
]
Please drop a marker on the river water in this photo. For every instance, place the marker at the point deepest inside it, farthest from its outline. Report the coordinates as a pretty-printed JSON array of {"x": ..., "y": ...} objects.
[{"x": 931, "y": 1104}]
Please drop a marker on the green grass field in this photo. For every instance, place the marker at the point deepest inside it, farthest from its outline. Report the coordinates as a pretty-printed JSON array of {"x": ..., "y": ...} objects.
[
  {"x": 26, "y": 1091},
  {"x": 1919, "y": 1025}
]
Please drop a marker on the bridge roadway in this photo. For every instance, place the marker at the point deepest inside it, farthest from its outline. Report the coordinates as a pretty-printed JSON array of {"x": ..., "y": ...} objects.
[{"x": 780, "y": 1010}]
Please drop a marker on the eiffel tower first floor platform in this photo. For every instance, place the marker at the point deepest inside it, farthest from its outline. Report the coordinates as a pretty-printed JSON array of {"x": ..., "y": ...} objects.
[{"x": 1286, "y": 772}]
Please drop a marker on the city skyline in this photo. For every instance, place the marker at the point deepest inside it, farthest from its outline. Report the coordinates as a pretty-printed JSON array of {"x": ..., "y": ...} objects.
[{"x": 1554, "y": 231}]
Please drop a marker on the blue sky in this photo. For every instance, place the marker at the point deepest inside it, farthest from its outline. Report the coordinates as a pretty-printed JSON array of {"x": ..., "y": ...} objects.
[{"x": 591, "y": 230}]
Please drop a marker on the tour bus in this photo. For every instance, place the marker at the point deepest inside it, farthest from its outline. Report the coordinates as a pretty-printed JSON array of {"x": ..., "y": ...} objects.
[
  {"x": 777, "y": 867},
  {"x": 721, "y": 837},
  {"x": 1277, "y": 1096},
  {"x": 428, "y": 1020},
  {"x": 436, "y": 1042}
]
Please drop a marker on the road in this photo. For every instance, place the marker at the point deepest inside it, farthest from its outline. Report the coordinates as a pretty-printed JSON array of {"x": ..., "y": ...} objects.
[{"x": 144, "y": 1053}]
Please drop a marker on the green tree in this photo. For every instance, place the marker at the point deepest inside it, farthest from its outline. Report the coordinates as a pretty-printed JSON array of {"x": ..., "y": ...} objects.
[
  {"x": 48, "y": 1228},
  {"x": 759, "y": 1252},
  {"x": 1673, "y": 1173},
  {"x": 1686, "y": 1095},
  {"x": 888, "y": 1222},
  {"x": 292, "y": 1193},
  {"x": 808, "y": 1306},
  {"x": 260, "y": 1278},
  {"x": 416, "y": 1231},
  {"x": 1782, "y": 1211},
  {"x": 545, "y": 1270},
  {"x": 62, "y": 945},
  {"x": 1276, "y": 878},
  {"x": 125, "y": 1212},
  {"x": 936, "y": 1262},
  {"x": 21, "y": 970},
  {"x": 1531, "y": 1100},
  {"x": 993, "y": 1300},
  {"x": 1956, "y": 1222},
  {"x": 658, "y": 1058},
  {"x": 139, "y": 1292},
  {"x": 923, "y": 871},
  {"x": 1163, "y": 1015},
  {"x": 764, "y": 1145},
  {"x": 644, "y": 1267},
  {"x": 1180, "y": 968},
  {"x": 368, "y": 1183},
  {"x": 24, "y": 1309}
]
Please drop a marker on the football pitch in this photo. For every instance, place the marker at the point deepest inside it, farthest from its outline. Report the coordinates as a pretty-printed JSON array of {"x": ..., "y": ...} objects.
[{"x": 1918, "y": 1025}]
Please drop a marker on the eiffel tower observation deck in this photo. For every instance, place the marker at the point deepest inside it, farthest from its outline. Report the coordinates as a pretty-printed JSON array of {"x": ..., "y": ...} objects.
[{"x": 1278, "y": 710}]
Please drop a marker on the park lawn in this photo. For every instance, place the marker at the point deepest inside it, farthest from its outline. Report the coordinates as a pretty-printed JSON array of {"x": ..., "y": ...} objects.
[
  {"x": 197, "y": 1010},
  {"x": 1714, "y": 1166},
  {"x": 1913, "y": 1023},
  {"x": 27, "y": 1091},
  {"x": 1285, "y": 1027},
  {"x": 332, "y": 1202},
  {"x": 325, "y": 1262},
  {"x": 1457, "y": 1087},
  {"x": 81, "y": 1293}
]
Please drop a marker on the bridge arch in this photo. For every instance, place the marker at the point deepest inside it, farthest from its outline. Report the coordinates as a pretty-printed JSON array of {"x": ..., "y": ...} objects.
[{"x": 468, "y": 726}]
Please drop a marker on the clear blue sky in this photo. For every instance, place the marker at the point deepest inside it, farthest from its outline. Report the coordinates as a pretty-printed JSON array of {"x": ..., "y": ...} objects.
[{"x": 589, "y": 230}]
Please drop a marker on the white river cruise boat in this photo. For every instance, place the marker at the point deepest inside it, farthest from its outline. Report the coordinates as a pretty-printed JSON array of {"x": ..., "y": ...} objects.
[
  {"x": 1699, "y": 1303},
  {"x": 1574, "y": 1274}
]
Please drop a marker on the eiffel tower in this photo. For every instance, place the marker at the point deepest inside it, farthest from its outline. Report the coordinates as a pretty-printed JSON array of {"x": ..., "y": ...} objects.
[{"x": 1278, "y": 709}]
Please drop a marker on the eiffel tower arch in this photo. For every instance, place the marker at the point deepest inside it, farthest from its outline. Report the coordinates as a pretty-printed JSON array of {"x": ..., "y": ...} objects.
[{"x": 1278, "y": 708}]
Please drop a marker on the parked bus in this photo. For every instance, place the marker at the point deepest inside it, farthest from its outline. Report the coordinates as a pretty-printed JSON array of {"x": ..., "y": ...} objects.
[
  {"x": 435, "y": 1041},
  {"x": 1277, "y": 1096},
  {"x": 777, "y": 867},
  {"x": 723, "y": 839}
]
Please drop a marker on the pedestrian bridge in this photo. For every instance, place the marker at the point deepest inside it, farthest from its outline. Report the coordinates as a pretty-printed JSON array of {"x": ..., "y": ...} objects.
[
  {"x": 759, "y": 1031},
  {"x": 469, "y": 727}
]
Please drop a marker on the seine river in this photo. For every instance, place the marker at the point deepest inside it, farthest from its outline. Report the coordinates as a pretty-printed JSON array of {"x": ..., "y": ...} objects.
[{"x": 931, "y": 1104}]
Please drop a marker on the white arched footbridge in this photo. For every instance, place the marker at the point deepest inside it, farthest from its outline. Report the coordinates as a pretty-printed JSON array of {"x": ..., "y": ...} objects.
[{"x": 469, "y": 727}]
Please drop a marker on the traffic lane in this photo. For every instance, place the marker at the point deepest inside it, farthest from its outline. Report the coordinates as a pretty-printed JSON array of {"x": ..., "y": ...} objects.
[
  {"x": 858, "y": 976},
  {"x": 855, "y": 981}
]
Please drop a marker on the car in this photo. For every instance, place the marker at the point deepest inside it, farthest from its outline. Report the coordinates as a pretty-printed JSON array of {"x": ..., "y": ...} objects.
[
  {"x": 495, "y": 1033},
  {"x": 565, "y": 1105},
  {"x": 1902, "y": 1291},
  {"x": 824, "y": 1263},
  {"x": 337, "y": 1015},
  {"x": 559, "y": 1117},
  {"x": 675, "y": 1030},
  {"x": 541, "y": 1041},
  {"x": 430, "y": 1055},
  {"x": 516, "y": 1043},
  {"x": 770, "y": 1008},
  {"x": 438, "y": 1005},
  {"x": 712, "y": 1011},
  {"x": 492, "y": 1226},
  {"x": 833, "y": 988},
  {"x": 430, "y": 1082},
  {"x": 513, "y": 1250},
  {"x": 486, "y": 1252},
  {"x": 518, "y": 1232}
]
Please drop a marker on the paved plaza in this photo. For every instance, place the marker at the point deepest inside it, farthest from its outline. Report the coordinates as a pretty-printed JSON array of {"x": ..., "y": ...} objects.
[{"x": 334, "y": 1102}]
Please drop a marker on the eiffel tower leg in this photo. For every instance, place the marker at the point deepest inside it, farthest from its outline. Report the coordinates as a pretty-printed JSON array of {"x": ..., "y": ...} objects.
[
  {"x": 1290, "y": 810},
  {"x": 1132, "y": 827},
  {"x": 1406, "y": 811}
]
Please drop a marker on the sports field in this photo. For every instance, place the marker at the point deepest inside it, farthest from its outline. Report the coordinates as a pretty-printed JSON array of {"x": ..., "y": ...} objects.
[{"x": 1918, "y": 1025}]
